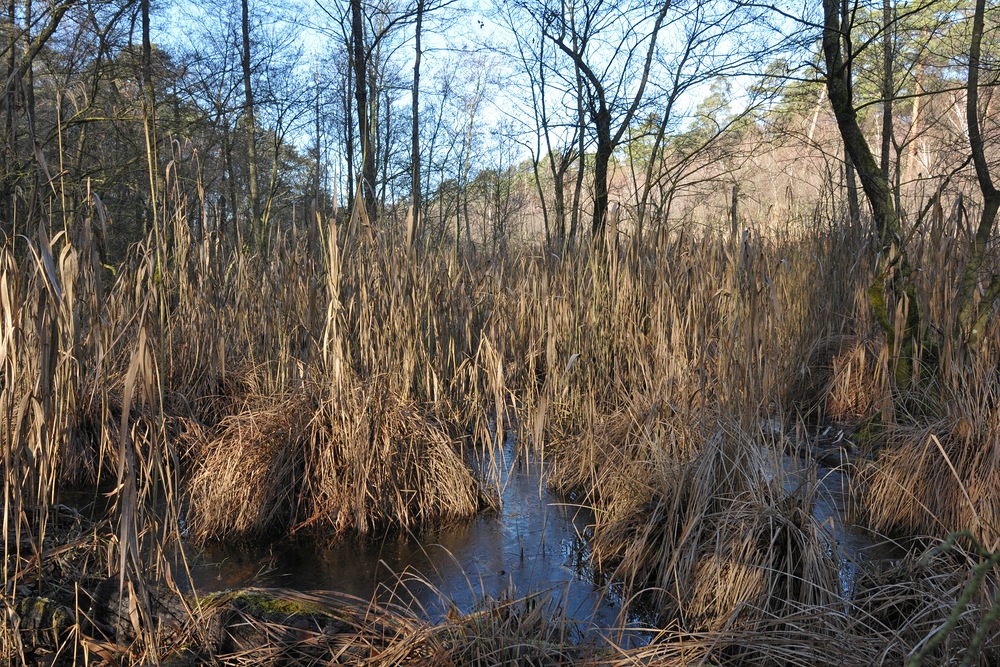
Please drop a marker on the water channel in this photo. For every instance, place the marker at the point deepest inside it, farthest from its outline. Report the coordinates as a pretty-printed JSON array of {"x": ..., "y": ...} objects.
[{"x": 535, "y": 544}]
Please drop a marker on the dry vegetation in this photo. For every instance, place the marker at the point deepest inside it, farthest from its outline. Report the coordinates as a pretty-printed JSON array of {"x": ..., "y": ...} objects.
[{"x": 338, "y": 385}]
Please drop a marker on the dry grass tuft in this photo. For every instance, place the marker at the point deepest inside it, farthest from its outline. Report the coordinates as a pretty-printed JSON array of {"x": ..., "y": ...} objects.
[
  {"x": 249, "y": 477},
  {"x": 803, "y": 636},
  {"x": 934, "y": 480},
  {"x": 938, "y": 467},
  {"x": 703, "y": 526},
  {"x": 361, "y": 460},
  {"x": 274, "y": 626},
  {"x": 513, "y": 630},
  {"x": 721, "y": 541},
  {"x": 945, "y": 589},
  {"x": 613, "y": 461},
  {"x": 842, "y": 379}
]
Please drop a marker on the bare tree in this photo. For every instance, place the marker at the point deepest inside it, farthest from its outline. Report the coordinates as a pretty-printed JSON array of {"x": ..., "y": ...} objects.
[
  {"x": 364, "y": 117},
  {"x": 32, "y": 36},
  {"x": 613, "y": 84},
  {"x": 413, "y": 224},
  {"x": 970, "y": 318},
  {"x": 896, "y": 278},
  {"x": 256, "y": 223}
]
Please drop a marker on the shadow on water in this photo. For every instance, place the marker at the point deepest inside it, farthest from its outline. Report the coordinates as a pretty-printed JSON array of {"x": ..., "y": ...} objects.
[{"x": 853, "y": 545}]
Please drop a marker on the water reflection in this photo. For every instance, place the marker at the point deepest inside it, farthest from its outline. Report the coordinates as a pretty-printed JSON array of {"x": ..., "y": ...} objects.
[{"x": 534, "y": 543}]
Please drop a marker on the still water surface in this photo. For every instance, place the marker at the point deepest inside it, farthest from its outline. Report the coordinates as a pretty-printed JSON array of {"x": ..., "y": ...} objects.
[{"x": 536, "y": 543}]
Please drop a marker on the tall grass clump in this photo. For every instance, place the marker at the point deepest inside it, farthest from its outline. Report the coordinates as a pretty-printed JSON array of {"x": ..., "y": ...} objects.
[
  {"x": 196, "y": 355},
  {"x": 357, "y": 461},
  {"x": 722, "y": 537},
  {"x": 81, "y": 405},
  {"x": 669, "y": 438},
  {"x": 843, "y": 379},
  {"x": 936, "y": 471}
]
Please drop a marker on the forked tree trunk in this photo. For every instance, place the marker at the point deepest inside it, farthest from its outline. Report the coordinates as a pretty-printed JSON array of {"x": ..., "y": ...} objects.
[{"x": 895, "y": 282}]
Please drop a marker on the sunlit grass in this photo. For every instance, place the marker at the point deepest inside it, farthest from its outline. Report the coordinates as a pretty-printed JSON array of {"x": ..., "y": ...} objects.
[{"x": 338, "y": 385}]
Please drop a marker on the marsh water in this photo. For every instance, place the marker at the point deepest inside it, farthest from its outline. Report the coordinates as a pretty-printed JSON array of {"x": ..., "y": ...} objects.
[{"x": 535, "y": 543}]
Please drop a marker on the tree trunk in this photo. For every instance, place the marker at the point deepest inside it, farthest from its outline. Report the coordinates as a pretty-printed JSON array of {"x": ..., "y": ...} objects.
[
  {"x": 364, "y": 118},
  {"x": 972, "y": 319},
  {"x": 413, "y": 226},
  {"x": 600, "y": 111},
  {"x": 349, "y": 138},
  {"x": 602, "y": 157},
  {"x": 642, "y": 207},
  {"x": 734, "y": 213},
  {"x": 463, "y": 189},
  {"x": 7, "y": 183},
  {"x": 851, "y": 183},
  {"x": 574, "y": 223},
  {"x": 256, "y": 227},
  {"x": 385, "y": 141},
  {"x": 896, "y": 275},
  {"x": 815, "y": 118},
  {"x": 318, "y": 195},
  {"x": 227, "y": 150},
  {"x": 887, "y": 88},
  {"x": 558, "y": 171},
  {"x": 874, "y": 185},
  {"x": 914, "y": 121},
  {"x": 149, "y": 118},
  {"x": 28, "y": 71}
]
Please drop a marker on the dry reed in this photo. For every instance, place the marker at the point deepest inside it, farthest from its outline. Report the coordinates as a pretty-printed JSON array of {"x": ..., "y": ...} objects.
[
  {"x": 337, "y": 384},
  {"x": 358, "y": 461}
]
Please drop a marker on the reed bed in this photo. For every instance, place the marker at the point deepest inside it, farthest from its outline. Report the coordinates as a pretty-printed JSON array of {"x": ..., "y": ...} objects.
[
  {"x": 713, "y": 539},
  {"x": 690, "y": 497},
  {"x": 843, "y": 379},
  {"x": 338, "y": 384},
  {"x": 937, "y": 473}
]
